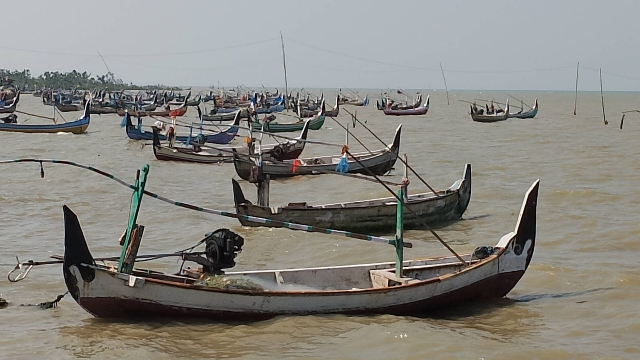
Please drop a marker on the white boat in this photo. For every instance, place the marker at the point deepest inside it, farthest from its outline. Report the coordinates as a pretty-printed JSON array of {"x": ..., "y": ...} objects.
[{"x": 110, "y": 292}]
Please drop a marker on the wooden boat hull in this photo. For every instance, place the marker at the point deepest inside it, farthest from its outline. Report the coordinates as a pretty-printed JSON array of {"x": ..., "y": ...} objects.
[
  {"x": 69, "y": 107},
  {"x": 274, "y": 127},
  {"x": 224, "y": 137},
  {"x": 286, "y": 151},
  {"x": 227, "y": 116},
  {"x": 166, "y": 113},
  {"x": 366, "y": 215},
  {"x": 102, "y": 110},
  {"x": 166, "y": 153},
  {"x": 271, "y": 109},
  {"x": 76, "y": 127},
  {"x": 491, "y": 118},
  {"x": 417, "y": 111},
  {"x": 10, "y": 109},
  {"x": 381, "y": 162},
  {"x": 364, "y": 102},
  {"x": 425, "y": 285},
  {"x": 527, "y": 114}
]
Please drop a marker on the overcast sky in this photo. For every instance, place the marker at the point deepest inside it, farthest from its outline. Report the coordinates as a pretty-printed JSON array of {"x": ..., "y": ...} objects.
[{"x": 490, "y": 44}]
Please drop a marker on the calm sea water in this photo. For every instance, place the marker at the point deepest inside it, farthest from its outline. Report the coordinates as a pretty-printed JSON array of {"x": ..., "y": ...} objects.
[{"x": 578, "y": 299}]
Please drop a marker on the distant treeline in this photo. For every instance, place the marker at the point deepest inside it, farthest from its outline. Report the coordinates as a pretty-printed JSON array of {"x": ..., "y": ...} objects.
[{"x": 69, "y": 81}]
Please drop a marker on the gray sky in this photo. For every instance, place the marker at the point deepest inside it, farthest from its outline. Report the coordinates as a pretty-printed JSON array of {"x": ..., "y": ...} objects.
[{"x": 489, "y": 44}]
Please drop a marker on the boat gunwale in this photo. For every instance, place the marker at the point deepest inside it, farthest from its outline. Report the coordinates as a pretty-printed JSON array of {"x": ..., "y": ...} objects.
[{"x": 331, "y": 292}]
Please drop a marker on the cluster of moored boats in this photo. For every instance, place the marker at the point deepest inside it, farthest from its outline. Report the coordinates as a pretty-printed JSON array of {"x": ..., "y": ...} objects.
[{"x": 402, "y": 287}]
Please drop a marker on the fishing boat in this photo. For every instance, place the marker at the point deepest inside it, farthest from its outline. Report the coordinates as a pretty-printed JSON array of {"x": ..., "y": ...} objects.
[
  {"x": 101, "y": 110},
  {"x": 488, "y": 118},
  {"x": 422, "y": 110},
  {"x": 167, "y": 112},
  {"x": 69, "y": 107},
  {"x": 387, "y": 103},
  {"x": 225, "y": 116},
  {"x": 315, "y": 123},
  {"x": 269, "y": 108},
  {"x": 363, "y": 102},
  {"x": 135, "y": 132},
  {"x": 529, "y": 114},
  {"x": 378, "y": 162},
  {"x": 435, "y": 209},
  {"x": 76, "y": 127},
  {"x": 195, "y": 102},
  {"x": 404, "y": 287},
  {"x": 335, "y": 111},
  {"x": 11, "y": 108},
  {"x": 197, "y": 154}
]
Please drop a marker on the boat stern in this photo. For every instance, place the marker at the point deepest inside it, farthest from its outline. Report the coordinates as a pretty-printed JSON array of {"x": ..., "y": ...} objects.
[{"x": 76, "y": 254}]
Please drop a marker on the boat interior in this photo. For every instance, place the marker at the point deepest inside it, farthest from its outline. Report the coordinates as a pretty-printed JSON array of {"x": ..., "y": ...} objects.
[
  {"x": 335, "y": 278},
  {"x": 380, "y": 201}
]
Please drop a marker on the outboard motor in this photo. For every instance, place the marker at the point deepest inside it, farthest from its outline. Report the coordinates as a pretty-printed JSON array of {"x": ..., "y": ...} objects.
[{"x": 221, "y": 248}]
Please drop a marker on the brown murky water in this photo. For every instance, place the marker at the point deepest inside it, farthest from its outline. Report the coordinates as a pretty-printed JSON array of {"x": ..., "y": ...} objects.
[{"x": 578, "y": 298}]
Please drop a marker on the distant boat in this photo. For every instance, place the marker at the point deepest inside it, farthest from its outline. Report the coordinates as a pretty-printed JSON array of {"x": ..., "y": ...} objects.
[
  {"x": 76, "y": 127},
  {"x": 422, "y": 110},
  {"x": 68, "y": 107},
  {"x": 378, "y": 162},
  {"x": 363, "y": 102},
  {"x": 527, "y": 114},
  {"x": 315, "y": 123},
  {"x": 223, "y": 137},
  {"x": 479, "y": 116}
]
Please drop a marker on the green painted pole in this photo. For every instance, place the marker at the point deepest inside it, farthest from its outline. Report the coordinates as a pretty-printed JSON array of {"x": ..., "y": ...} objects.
[
  {"x": 136, "y": 201},
  {"x": 399, "y": 234}
]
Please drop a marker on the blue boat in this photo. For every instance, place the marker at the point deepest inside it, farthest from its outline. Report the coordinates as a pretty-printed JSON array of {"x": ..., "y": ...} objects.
[
  {"x": 135, "y": 132},
  {"x": 268, "y": 109},
  {"x": 526, "y": 114},
  {"x": 76, "y": 127}
]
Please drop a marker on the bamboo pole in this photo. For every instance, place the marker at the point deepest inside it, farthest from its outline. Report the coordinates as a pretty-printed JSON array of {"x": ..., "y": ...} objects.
[
  {"x": 604, "y": 116},
  {"x": 398, "y": 198},
  {"x": 445, "y": 83},
  {"x": 402, "y": 160},
  {"x": 575, "y": 104},
  {"x": 284, "y": 65}
]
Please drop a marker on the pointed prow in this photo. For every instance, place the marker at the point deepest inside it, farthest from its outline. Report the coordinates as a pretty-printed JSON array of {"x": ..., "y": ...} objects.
[
  {"x": 526, "y": 225},
  {"x": 395, "y": 146},
  {"x": 305, "y": 130},
  {"x": 238, "y": 195}
]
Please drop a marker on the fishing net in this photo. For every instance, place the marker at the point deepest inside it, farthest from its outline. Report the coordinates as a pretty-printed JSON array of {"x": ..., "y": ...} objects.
[{"x": 227, "y": 282}]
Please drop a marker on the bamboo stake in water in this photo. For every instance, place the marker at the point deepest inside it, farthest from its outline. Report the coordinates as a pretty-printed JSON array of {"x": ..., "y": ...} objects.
[
  {"x": 284, "y": 65},
  {"x": 445, "y": 83},
  {"x": 604, "y": 116},
  {"x": 575, "y": 104}
]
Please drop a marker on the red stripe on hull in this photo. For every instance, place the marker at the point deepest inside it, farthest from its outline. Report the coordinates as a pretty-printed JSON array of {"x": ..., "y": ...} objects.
[{"x": 494, "y": 287}]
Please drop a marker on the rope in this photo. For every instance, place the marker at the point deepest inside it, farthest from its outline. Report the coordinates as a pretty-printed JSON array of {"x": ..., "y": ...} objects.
[
  {"x": 48, "y": 304},
  {"x": 399, "y": 158},
  {"x": 59, "y": 113},
  {"x": 38, "y": 116},
  {"x": 288, "y": 225},
  {"x": 406, "y": 206}
]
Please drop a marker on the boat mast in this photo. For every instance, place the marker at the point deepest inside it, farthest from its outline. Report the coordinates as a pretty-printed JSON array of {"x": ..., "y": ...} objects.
[{"x": 284, "y": 65}]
